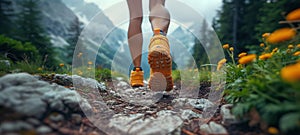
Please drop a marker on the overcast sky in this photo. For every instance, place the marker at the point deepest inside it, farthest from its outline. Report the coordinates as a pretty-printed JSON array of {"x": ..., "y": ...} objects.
[{"x": 206, "y": 9}]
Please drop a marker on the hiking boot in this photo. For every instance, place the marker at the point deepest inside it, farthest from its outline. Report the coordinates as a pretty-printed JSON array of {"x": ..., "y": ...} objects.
[
  {"x": 160, "y": 62},
  {"x": 137, "y": 77}
]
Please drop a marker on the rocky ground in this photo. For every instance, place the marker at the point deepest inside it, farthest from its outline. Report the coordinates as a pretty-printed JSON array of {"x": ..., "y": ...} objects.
[{"x": 62, "y": 104}]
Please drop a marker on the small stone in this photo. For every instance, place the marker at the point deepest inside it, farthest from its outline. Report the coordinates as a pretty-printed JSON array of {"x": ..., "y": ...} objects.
[
  {"x": 145, "y": 108},
  {"x": 87, "y": 83},
  {"x": 15, "y": 126},
  {"x": 190, "y": 102},
  {"x": 56, "y": 117},
  {"x": 57, "y": 105},
  {"x": 213, "y": 128},
  {"x": 188, "y": 114},
  {"x": 119, "y": 78},
  {"x": 227, "y": 117},
  {"x": 217, "y": 128},
  {"x": 33, "y": 121},
  {"x": 76, "y": 118},
  {"x": 169, "y": 107},
  {"x": 205, "y": 128},
  {"x": 122, "y": 84},
  {"x": 93, "y": 133},
  {"x": 43, "y": 130},
  {"x": 111, "y": 102}
]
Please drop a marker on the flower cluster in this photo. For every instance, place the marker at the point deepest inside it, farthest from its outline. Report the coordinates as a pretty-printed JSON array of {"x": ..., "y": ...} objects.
[{"x": 268, "y": 80}]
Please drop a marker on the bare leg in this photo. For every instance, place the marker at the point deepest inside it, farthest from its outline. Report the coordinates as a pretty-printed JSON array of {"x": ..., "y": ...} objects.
[
  {"x": 135, "y": 37},
  {"x": 159, "y": 57},
  {"x": 159, "y": 15}
]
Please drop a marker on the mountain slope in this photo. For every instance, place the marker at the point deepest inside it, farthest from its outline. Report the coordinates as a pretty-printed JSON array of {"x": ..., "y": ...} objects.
[{"x": 97, "y": 32}]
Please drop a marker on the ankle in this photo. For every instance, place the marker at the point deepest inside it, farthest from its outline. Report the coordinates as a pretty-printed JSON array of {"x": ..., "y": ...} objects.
[
  {"x": 158, "y": 31},
  {"x": 137, "y": 69}
]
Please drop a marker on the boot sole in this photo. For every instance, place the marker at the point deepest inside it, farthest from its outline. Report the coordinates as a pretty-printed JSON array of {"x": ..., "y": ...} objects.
[{"x": 161, "y": 68}]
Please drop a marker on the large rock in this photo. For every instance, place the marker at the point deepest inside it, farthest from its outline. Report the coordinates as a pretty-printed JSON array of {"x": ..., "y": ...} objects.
[
  {"x": 137, "y": 96},
  {"x": 79, "y": 81},
  {"x": 31, "y": 97},
  {"x": 165, "y": 122}
]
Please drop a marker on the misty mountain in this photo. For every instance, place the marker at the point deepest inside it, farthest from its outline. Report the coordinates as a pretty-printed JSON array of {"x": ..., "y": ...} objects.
[
  {"x": 184, "y": 37},
  {"x": 59, "y": 21},
  {"x": 99, "y": 29},
  {"x": 85, "y": 11}
]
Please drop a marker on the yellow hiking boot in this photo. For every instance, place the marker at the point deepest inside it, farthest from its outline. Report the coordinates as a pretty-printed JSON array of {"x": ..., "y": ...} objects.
[
  {"x": 137, "y": 77},
  {"x": 160, "y": 62}
]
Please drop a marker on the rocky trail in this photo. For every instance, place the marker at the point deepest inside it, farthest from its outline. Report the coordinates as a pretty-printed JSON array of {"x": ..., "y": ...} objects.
[{"x": 53, "y": 104}]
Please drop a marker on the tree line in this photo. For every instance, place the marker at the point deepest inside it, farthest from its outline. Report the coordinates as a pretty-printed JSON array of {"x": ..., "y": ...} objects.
[
  {"x": 24, "y": 24},
  {"x": 241, "y": 23}
]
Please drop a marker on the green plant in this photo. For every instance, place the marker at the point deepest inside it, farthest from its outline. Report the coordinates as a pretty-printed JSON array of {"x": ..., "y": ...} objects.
[
  {"x": 103, "y": 74},
  {"x": 269, "y": 84},
  {"x": 16, "y": 50},
  {"x": 176, "y": 75}
]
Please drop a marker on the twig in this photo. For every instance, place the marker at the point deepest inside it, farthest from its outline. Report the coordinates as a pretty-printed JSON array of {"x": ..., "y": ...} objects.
[
  {"x": 283, "y": 22},
  {"x": 187, "y": 132}
]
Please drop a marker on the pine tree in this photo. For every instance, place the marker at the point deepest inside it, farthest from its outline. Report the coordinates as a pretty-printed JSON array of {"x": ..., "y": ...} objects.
[
  {"x": 271, "y": 13},
  {"x": 250, "y": 20},
  {"x": 72, "y": 40},
  {"x": 6, "y": 12},
  {"x": 223, "y": 24},
  {"x": 29, "y": 30},
  {"x": 237, "y": 21}
]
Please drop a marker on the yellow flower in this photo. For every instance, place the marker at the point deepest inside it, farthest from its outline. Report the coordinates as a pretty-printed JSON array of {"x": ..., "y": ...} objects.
[
  {"x": 79, "y": 72},
  {"x": 90, "y": 62},
  {"x": 281, "y": 35},
  {"x": 275, "y": 50},
  {"x": 273, "y": 130},
  {"x": 247, "y": 59},
  {"x": 291, "y": 73},
  {"x": 40, "y": 69},
  {"x": 290, "y": 46},
  {"x": 89, "y": 68},
  {"x": 231, "y": 49},
  {"x": 265, "y": 35},
  {"x": 219, "y": 67},
  {"x": 242, "y": 54},
  {"x": 226, "y": 46},
  {"x": 267, "y": 48},
  {"x": 298, "y": 46},
  {"x": 297, "y": 53},
  {"x": 222, "y": 61},
  {"x": 265, "y": 56},
  {"x": 79, "y": 55},
  {"x": 262, "y": 45},
  {"x": 294, "y": 15},
  {"x": 61, "y": 64}
]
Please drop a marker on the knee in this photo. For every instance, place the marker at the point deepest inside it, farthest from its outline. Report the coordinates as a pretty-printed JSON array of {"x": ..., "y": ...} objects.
[{"x": 137, "y": 20}]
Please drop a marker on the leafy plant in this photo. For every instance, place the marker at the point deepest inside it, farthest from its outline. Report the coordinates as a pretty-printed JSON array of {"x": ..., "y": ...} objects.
[
  {"x": 16, "y": 50},
  {"x": 269, "y": 83}
]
